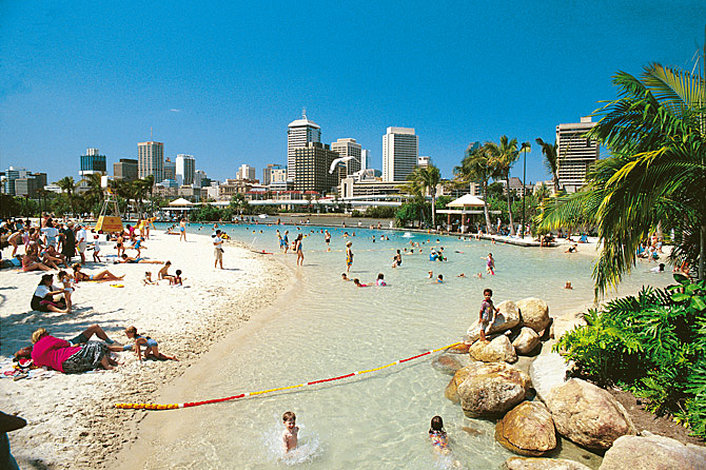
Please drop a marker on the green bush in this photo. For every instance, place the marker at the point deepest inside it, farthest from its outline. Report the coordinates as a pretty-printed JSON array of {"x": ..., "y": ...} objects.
[{"x": 652, "y": 344}]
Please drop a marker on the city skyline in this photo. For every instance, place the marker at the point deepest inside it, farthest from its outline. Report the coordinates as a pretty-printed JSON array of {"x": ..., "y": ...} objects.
[{"x": 515, "y": 72}]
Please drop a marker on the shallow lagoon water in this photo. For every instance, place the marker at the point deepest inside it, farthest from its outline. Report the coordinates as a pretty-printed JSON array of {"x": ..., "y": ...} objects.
[{"x": 326, "y": 327}]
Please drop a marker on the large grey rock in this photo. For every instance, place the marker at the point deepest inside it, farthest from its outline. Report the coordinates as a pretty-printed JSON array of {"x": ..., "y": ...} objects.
[
  {"x": 653, "y": 452},
  {"x": 588, "y": 415},
  {"x": 534, "y": 313},
  {"x": 490, "y": 388},
  {"x": 548, "y": 371},
  {"x": 524, "y": 463},
  {"x": 526, "y": 342},
  {"x": 499, "y": 349},
  {"x": 527, "y": 429},
  {"x": 508, "y": 317}
]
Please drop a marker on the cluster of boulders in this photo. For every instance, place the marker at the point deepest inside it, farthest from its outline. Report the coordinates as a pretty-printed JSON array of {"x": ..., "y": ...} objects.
[{"x": 490, "y": 387}]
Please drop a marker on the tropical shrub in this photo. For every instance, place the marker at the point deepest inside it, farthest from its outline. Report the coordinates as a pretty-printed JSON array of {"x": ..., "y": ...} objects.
[{"x": 653, "y": 344}]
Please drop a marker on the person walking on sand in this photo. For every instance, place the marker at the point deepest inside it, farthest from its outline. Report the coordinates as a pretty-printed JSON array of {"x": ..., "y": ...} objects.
[
  {"x": 218, "y": 249},
  {"x": 298, "y": 250},
  {"x": 349, "y": 256},
  {"x": 182, "y": 230}
]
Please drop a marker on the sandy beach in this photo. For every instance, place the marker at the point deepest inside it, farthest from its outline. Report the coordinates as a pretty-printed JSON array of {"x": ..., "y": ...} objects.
[{"x": 71, "y": 419}]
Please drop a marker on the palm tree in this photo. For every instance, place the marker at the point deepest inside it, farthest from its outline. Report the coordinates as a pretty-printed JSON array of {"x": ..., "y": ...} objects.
[
  {"x": 94, "y": 194},
  {"x": 68, "y": 185},
  {"x": 426, "y": 179},
  {"x": 476, "y": 168},
  {"x": 503, "y": 156},
  {"x": 656, "y": 132},
  {"x": 551, "y": 159}
]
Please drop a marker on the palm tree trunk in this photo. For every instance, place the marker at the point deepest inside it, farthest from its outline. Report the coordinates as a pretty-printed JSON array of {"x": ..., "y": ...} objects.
[
  {"x": 484, "y": 189},
  {"x": 433, "y": 210},
  {"x": 509, "y": 204},
  {"x": 702, "y": 254}
]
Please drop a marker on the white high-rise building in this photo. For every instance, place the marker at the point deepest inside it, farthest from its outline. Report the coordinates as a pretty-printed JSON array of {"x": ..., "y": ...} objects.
[
  {"x": 150, "y": 160},
  {"x": 575, "y": 153},
  {"x": 245, "y": 172},
  {"x": 400, "y": 149},
  {"x": 299, "y": 134},
  {"x": 185, "y": 168},
  {"x": 364, "y": 156}
]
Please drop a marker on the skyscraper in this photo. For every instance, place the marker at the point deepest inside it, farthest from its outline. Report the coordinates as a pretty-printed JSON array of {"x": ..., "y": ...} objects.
[
  {"x": 93, "y": 162},
  {"x": 312, "y": 168},
  {"x": 364, "y": 159},
  {"x": 185, "y": 168},
  {"x": 150, "y": 160},
  {"x": 347, "y": 148},
  {"x": 169, "y": 170},
  {"x": 299, "y": 134},
  {"x": 269, "y": 172},
  {"x": 575, "y": 153},
  {"x": 400, "y": 149}
]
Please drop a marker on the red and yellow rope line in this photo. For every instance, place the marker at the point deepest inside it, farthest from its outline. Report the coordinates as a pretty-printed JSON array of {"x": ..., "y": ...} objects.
[{"x": 174, "y": 406}]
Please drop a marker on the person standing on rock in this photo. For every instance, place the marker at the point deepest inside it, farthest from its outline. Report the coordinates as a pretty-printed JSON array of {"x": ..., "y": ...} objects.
[{"x": 487, "y": 313}]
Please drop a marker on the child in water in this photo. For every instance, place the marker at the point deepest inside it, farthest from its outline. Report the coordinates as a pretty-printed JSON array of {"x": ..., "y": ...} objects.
[
  {"x": 381, "y": 280},
  {"x": 440, "y": 279},
  {"x": 289, "y": 436},
  {"x": 437, "y": 435}
]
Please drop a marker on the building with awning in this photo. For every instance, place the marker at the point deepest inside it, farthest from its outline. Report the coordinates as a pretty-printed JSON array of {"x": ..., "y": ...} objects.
[
  {"x": 466, "y": 205},
  {"x": 180, "y": 205}
]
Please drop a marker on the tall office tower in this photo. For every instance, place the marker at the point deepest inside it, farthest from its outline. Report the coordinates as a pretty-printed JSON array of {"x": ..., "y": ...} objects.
[
  {"x": 575, "y": 153},
  {"x": 93, "y": 162},
  {"x": 29, "y": 185},
  {"x": 472, "y": 147},
  {"x": 364, "y": 159},
  {"x": 125, "y": 169},
  {"x": 245, "y": 172},
  {"x": 312, "y": 168},
  {"x": 185, "y": 168},
  {"x": 150, "y": 160},
  {"x": 200, "y": 179},
  {"x": 12, "y": 174},
  {"x": 347, "y": 148},
  {"x": 299, "y": 134},
  {"x": 169, "y": 171},
  {"x": 269, "y": 171},
  {"x": 400, "y": 149}
]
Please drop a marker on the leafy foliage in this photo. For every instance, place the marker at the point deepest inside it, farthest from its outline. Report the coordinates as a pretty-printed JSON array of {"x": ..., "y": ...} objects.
[{"x": 653, "y": 344}]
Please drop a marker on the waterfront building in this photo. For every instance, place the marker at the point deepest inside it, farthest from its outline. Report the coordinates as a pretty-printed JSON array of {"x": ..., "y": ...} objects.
[
  {"x": 347, "y": 148},
  {"x": 299, "y": 134},
  {"x": 350, "y": 187},
  {"x": 312, "y": 168},
  {"x": 575, "y": 153},
  {"x": 93, "y": 162},
  {"x": 185, "y": 169},
  {"x": 150, "y": 160},
  {"x": 273, "y": 172},
  {"x": 400, "y": 149},
  {"x": 125, "y": 169},
  {"x": 245, "y": 172}
]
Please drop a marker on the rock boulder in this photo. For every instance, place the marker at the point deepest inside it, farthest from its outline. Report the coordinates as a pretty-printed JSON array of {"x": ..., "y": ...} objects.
[
  {"x": 588, "y": 415},
  {"x": 523, "y": 463},
  {"x": 451, "y": 391},
  {"x": 527, "y": 429},
  {"x": 490, "y": 388},
  {"x": 447, "y": 364},
  {"x": 534, "y": 313},
  {"x": 508, "y": 317},
  {"x": 653, "y": 452},
  {"x": 526, "y": 342},
  {"x": 548, "y": 371},
  {"x": 499, "y": 349}
]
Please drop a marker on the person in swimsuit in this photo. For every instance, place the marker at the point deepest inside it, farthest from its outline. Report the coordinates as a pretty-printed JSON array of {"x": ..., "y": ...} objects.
[
  {"x": 289, "y": 436},
  {"x": 298, "y": 249},
  {"x": 487, "y": 313},
  {"x": 104, "y": 275},
  {"x": 150, "y": 345},
  {"x": 327, "y": 239},
  {"x": 437, "y": 435},
  {"x": 349, "y": 256},
  {"x": 490, "y": 264},
  {"x": 129, "y": 260},
  {"x": 182, "y": 230},
  {"x": 285, "y": 241}
]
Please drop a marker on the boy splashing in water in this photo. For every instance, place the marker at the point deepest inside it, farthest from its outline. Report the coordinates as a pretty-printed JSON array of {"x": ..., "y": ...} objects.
[{"x": 289, "y": 436}]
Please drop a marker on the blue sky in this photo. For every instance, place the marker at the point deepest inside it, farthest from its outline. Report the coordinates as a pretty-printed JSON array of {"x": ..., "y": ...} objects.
[{"x": 221, "y": 80}]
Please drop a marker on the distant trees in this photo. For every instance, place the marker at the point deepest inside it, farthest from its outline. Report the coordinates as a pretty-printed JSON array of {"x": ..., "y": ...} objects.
[{"x": 477, "y": 167}]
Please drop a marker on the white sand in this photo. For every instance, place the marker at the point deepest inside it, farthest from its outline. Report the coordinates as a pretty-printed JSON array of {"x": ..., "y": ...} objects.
[{"x": 71, "y": 419}]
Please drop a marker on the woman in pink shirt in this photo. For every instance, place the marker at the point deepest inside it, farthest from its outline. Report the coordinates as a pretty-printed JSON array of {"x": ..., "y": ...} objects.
[{"x": 61, "y": 355}]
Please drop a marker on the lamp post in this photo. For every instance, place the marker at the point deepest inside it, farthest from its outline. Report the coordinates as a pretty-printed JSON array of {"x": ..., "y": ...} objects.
[{"x": 525, "y": 148}]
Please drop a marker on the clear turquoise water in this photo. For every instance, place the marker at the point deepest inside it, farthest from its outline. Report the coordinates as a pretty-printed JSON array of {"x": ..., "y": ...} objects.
[{"x": 327, "y": 327}]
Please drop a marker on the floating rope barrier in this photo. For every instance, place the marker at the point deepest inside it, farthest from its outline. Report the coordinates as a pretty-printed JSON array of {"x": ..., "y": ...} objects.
[{"x": 175, "y": 406}]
